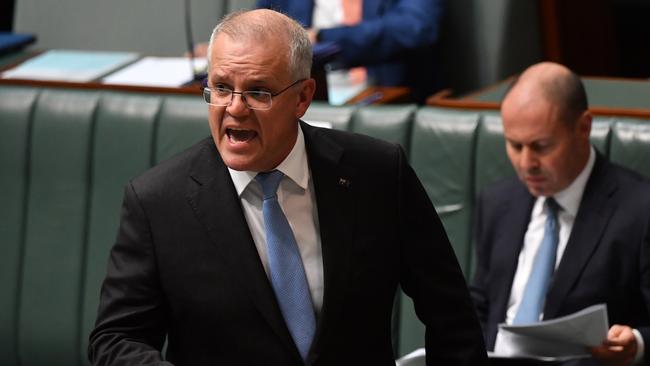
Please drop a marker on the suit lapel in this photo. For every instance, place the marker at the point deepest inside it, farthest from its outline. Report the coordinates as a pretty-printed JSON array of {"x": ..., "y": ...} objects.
[
  {"x": 334, "y": 188},
  {"x": 595, "y": 211},
  {"x": 215, "y": 202},
  {"x": 508, "y": 243}
]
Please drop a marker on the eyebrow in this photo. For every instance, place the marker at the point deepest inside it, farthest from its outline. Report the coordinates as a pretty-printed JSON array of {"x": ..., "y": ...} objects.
[
  {"x": 534, "y": 142},
  {"x": 224, "y": 78}
]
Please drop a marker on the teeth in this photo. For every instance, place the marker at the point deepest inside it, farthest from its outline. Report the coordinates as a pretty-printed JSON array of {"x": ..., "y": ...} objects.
[{"x": 240, "y": 135}]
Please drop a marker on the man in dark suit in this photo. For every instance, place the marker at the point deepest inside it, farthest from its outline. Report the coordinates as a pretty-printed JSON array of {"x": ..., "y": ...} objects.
[
  {"x": 601, "y": 216},
  {"x": 202, "y": 235}
]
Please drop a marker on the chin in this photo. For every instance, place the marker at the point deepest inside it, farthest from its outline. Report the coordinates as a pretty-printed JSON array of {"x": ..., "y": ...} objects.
[
  {"x": 536, "y": 191},
  {"x": 237, "y": 163}
]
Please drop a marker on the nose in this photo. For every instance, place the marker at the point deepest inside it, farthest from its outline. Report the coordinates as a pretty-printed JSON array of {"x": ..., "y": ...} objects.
[
  {"x": 237, "y": 106},
  {"x": 528, "y": 159}
]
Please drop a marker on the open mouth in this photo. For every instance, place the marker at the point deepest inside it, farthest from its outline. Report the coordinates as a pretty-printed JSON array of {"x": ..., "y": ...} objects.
[{"x": 237, "y": 135}]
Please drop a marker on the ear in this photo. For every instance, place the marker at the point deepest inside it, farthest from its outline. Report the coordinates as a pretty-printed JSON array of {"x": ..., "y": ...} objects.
[
  {"x": 305, "y": 96},
  {"x": 583, "y": 126}
]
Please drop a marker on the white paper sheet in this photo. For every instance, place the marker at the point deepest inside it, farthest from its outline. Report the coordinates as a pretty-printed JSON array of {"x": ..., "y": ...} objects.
[
  {"x": 563, "y": 338},
  {"x": 70, "y": 65},
  {"x": 156, "y": 71}
]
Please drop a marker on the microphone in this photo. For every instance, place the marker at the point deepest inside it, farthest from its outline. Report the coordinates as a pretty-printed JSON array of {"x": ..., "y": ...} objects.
[{"x": 189, "y": 38}]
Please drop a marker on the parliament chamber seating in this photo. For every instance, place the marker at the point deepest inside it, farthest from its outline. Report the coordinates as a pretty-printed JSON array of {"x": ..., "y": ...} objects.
[{"x": 66, "y": 154}]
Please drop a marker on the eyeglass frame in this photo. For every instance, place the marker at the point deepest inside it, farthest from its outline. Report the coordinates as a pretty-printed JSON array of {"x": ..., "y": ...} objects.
[{"x": 208, "y": 90}]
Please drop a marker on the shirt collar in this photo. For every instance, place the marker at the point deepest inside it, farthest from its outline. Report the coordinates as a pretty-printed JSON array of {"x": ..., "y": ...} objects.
[
  {"x": 570, "y": 197},
  {"x": 293, "y": 166}
]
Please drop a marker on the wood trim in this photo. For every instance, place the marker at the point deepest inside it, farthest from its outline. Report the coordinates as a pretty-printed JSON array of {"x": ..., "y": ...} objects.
[
  {"x": 444, "y": 99},
  {"x": 381, "y": 95},
  {"x": 461, "y": 104},
  {"x": 190, "y": 90},
  {"x": 595, "y": 110},
  {"x": 490, "y": 88},
  {"x": 636, "y": 113}
]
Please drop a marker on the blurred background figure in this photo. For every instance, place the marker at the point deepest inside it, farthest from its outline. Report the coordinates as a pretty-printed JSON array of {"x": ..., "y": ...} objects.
[{"x": 395, "y": 40}]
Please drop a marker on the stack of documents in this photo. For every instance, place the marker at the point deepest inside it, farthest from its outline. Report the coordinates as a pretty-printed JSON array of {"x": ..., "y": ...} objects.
[
  {"x": 70, "y": 66},
  {"x": 557, "y": 339}
]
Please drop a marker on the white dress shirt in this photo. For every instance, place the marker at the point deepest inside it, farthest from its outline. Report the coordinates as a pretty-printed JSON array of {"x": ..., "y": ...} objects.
[
  {"x": 327, "y": 14},
  {"x": 297, "y": 200}
]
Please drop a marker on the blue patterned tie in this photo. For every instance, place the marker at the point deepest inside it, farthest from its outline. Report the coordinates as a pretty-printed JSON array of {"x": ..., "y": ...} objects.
[
  {"x": 285, "y": 264},
  {"x": 532, "y": 302}
]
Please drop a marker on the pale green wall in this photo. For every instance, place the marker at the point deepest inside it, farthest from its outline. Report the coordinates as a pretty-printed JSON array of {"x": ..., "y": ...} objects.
[{"x": 151, "y": 27}]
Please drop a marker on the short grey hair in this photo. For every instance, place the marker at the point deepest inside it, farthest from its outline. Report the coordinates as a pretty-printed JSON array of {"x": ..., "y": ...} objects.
[{"x": 243, "y": 24}]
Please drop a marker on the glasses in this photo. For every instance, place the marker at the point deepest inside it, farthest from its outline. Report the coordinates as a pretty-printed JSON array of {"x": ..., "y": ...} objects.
[{"x": 260, "y": 100}]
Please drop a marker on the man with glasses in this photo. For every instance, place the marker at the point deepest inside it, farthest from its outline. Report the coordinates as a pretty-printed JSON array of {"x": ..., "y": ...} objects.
[{"x": 273, "y": 242}]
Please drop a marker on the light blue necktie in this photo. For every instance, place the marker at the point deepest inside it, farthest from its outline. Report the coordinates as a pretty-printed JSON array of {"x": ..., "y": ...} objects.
[
  {"x": 532, "y": 302},
  {"x": 285, "y": 264}
]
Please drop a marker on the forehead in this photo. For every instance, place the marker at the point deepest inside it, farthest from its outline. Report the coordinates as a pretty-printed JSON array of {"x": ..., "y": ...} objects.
[
  {"x": 531, "y": 121},
  {"x": 248, "y": 58}
]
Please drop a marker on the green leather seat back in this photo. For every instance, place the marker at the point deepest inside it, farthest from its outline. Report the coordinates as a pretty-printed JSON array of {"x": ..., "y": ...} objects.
[
  {"x": 339, "y": 117},
  {"x": 57, "y": 207},
  {"x": 442, "y": 155},
  {"x": 492, "y": 163},
  {"x": 183, "y": 121},
  {"x": 391, "y": 123},
  {"x": 122, "y": 149},
  {"x": 601, "y": 132},
  {"x": 16, "y": 105},
  {"x": 630, "y": 144}
]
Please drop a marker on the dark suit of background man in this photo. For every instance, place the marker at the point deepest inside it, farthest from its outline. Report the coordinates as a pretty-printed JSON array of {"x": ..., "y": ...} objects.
[
  {"x": 191, "y": 262},
  {"x": 603, "y": 254},
  {"x": 395, "y": 40}
]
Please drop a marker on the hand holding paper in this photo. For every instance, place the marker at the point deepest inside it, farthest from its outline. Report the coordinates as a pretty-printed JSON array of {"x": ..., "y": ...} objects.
[
  {"x": 620, "y": 348},
  {"x": 560, "y": 338}
]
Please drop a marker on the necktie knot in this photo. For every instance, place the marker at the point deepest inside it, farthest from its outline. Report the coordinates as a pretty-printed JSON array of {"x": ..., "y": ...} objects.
[
  {"x": 269, "y": 182},
  {"x": 552, "y": 206}
]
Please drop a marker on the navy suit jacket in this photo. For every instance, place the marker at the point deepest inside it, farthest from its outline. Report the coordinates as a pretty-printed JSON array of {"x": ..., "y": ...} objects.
[
  {"x": 396, "y": 40},
  {"x": 606, "y": 260},
  {"x": 185, "y": 265}
]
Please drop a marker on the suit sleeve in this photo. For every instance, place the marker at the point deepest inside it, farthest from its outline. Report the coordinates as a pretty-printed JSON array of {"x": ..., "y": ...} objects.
[
  {"x": 409, "y": 24},
  {"x": 645, "y": 288},
  {"x": 131, "y": 323},
  {"x": 478, "y": 287},
  {"x": 431, "y": 276}
]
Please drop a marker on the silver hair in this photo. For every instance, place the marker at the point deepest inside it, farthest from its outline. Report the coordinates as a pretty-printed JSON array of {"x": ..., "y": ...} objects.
[{"x": 241, "y": 25}]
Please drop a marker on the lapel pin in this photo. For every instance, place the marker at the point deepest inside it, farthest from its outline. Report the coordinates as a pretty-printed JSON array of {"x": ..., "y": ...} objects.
[{"x": 343, "y": 182}]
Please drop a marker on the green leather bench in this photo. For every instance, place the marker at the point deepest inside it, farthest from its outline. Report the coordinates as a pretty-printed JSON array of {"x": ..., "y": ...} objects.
[{"x": 65, "y": 156}]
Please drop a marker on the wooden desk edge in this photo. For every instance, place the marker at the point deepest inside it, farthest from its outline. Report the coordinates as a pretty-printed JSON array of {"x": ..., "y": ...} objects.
[
  {"x": 444, "y": 99},
  {"x": 189, "y": 90},
  {"x": 595, "y": 110}
]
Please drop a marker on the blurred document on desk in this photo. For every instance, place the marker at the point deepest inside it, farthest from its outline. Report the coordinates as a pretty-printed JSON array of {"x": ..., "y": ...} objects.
[
  {"x": 563, "y": 337},
  {"x": 157, "y": 71},
  {"x": 70, "y": 65}
]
